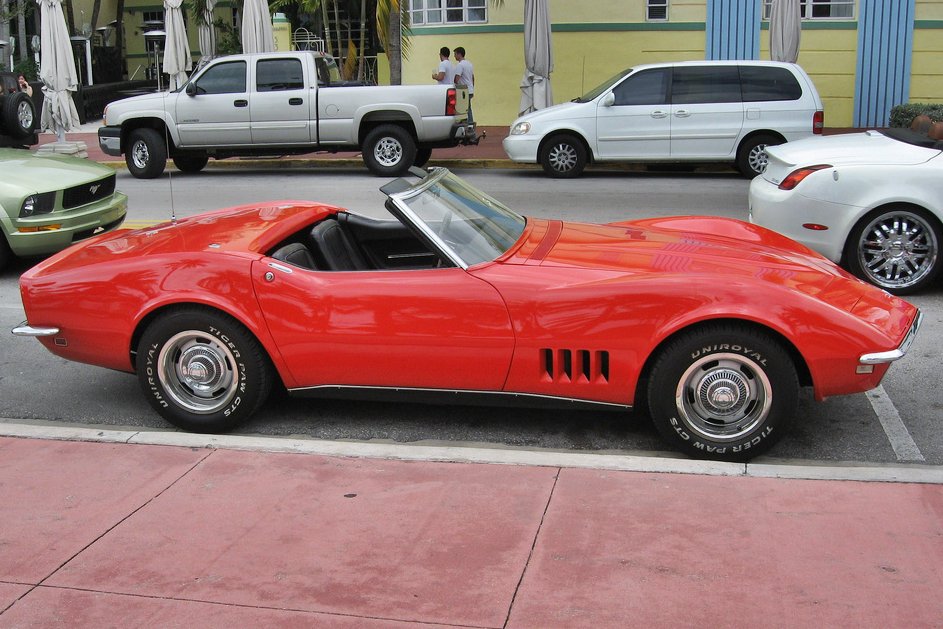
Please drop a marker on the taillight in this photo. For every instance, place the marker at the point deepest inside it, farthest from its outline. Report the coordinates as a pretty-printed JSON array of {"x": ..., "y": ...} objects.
[
  {"x": 818, "y": 122},
  {"x": 450, "y": 99},
  {"x": 792, "y": 180}
]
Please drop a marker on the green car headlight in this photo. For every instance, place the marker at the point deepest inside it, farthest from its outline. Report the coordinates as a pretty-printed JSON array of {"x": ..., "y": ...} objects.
[{"x": 36, "y": 204}]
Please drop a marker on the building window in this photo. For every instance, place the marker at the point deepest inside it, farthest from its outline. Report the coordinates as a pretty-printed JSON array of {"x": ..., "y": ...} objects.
[
  {"x": 423, "y": 12},
  {"x": 819, "y": 9},
  {"x": 656, "y": 10}
]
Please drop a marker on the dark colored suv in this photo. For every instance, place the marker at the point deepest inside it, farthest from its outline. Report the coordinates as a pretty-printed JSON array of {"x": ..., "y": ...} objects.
[{"x": 17, "y": 113}]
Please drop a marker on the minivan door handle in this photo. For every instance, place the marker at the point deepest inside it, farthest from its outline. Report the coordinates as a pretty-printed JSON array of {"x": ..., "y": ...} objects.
[
  {"x": 682, "y": 113},
  {"x": 659, "y": 113}
]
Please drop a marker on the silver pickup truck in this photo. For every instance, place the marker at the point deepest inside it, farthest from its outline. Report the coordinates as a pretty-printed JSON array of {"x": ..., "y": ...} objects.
[{"x": 279, "y": 104}]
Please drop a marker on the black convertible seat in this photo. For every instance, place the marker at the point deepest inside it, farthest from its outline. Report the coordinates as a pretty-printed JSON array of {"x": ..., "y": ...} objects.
[
  {"x": 297, "y": 254},
  {"x": 335, "y": 249}
]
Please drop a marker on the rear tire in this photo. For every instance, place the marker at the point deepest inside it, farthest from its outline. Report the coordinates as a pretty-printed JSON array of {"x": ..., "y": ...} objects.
[
  {"x": 563, "y": 157},
  {"x": 191, "y": 163},
  {"x": 422, "y": 157},
  {"x": 723, "y": 392},
  {"x": 751, "y": 156},
  {"x": 896, "y": 248},
  {"x": 202, "y": 370},
  {"x": 146, "y": 155},
  {"x": 389, "y": 151}
]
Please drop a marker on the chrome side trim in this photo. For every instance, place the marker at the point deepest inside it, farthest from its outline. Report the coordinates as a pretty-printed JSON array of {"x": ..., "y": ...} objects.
[
  {"x": 878, "y": 358},
  {"x": 24, "y": 329},
  {"x": 452, "y": 396}
]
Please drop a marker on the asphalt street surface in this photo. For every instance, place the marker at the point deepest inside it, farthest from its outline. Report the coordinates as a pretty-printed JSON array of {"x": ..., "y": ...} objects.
[{"x": 898, "y": 423}]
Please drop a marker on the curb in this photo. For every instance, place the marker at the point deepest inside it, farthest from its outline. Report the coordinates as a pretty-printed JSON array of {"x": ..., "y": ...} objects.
[{"x": 767, "y": 468}]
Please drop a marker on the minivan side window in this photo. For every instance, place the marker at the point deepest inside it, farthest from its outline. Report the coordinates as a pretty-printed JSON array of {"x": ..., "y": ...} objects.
[
  {"x": 649, "y": 87},
  {"x": 766, "y": 83},
  {"x": 705, "y": 84}
]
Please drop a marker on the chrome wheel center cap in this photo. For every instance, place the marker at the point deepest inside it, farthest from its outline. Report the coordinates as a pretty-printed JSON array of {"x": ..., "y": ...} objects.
[
  {"x": 200, "y": 367},
  {"x": 723, "y": 392}
]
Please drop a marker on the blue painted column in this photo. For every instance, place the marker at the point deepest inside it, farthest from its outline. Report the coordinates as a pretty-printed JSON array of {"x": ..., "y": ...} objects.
[
  {"x": 733, "y": 29},
  {"x": 885, "y": 51}
]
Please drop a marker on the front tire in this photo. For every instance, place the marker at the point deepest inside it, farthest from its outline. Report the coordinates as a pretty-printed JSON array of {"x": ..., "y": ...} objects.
[
  {"x": 563, "y": 157},
  {"x": 723, "y": 392},
  {"x": 202, "y": 370},
  {"x": 389, "y": 151},
  {"x": 191, "y": 163},
  {"x": 752, "y": 158},
  {"x": 146, "y": 154},
  {"x": 897, "y": 249}
]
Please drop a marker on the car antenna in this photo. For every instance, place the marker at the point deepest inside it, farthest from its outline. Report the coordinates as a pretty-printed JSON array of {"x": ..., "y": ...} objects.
[{"x": 170, "y": 175}]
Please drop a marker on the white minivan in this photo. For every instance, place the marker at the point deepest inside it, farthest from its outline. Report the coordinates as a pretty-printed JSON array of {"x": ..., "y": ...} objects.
[{"x": 692, "y": 111}]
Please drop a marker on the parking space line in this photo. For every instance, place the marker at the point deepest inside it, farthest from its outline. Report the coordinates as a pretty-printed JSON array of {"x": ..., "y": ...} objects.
[{"x": 897, "y": 433}]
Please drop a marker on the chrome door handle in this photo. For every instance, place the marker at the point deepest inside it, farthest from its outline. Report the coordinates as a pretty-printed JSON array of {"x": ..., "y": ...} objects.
[
  {"x": 683, "y": 113},
  {"x": 658, "y": 113}
]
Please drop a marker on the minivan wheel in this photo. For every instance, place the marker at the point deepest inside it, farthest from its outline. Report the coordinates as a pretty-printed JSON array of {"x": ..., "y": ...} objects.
[
  {"x": 752, "y": 158},
  {"x": 563, "y": 156}
]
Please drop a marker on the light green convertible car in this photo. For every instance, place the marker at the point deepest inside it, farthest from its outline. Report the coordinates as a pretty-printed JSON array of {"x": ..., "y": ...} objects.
[{"x": 49, "y": 202}]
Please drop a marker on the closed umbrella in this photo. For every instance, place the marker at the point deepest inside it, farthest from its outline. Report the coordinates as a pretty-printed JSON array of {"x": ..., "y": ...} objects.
[
  {"x": 785, "y": 28},
  {"x": 207, "y": 32},
  {"x": 177, "y": 48},
  {"x": 56, "y": 71},
  {"x": 538, "y": 57},
  {"x": 257, "y": 27}
]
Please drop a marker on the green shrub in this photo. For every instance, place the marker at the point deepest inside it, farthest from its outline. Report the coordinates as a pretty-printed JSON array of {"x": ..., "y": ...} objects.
[
  {"x": 903, "y": 115},
  {"x": 28, "y": 68}
]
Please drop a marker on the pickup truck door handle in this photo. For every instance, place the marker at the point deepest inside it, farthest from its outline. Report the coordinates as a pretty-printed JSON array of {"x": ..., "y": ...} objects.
[
  {"x": 241, "y": 102},
  {"x": 295, "y": 101}
]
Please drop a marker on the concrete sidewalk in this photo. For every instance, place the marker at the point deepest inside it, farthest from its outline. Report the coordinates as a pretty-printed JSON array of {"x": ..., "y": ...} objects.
[{"x": 122, "y": 534}]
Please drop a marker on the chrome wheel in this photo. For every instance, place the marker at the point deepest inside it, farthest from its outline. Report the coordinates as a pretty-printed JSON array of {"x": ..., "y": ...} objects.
[
  {"x": 897, "y": 250},
  {"x": 198, "y": 372},
  {"x": 758, "y": 159},
  {"x": 563, "y": 157},
  {"x": 139, "y": 154},
  {"x": 388, "y": 152},
  {"x": 723, "y": 397},
  {"x": 24, "y": 114}
]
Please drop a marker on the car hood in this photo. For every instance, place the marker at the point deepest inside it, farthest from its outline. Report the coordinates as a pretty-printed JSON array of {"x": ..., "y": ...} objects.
[
  {"x": 27, "y": 173},
  {"x": 693, "y": 246},
  {"x": 563, "y": 110},
  {"x": 848, "y": 149}
]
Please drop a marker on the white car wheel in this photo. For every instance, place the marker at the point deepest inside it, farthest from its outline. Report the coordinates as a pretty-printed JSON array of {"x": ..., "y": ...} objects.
[{"x": 897, "y": 250}]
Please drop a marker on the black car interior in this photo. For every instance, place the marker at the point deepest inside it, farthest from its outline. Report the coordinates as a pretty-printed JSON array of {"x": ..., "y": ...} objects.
[{"x": 348, "y": 242}]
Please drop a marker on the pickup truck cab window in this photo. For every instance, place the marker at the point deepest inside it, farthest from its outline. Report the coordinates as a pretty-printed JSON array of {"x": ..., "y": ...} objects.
[
  {"x": 274, "y": 75},
  {"x": 223, "y": 78}
]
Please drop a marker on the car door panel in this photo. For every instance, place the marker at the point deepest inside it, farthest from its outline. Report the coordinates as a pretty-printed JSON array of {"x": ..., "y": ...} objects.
[
  {"x": 433, "y": 328},
  {"x": 706, "y": 111},
  {"x": 633, "y": 121},
  {"x": 281, "y": 106},
  {"x": 217, "y": 113}
]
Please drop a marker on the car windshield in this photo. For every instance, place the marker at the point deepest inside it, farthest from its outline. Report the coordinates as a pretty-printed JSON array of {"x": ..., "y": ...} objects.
[
  {"x": 602, "y": 87},
  {"x": 465, "y": 222}
]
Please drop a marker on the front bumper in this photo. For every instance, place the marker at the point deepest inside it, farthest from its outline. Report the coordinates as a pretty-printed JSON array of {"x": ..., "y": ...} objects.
[
  {"x": 879, "y": 358},
  {"x": 58, "y": 230},
  {"x": 522, "y": 148},
  {"x": 109, "y": 139},
  {"x": 24, "y": 329}
]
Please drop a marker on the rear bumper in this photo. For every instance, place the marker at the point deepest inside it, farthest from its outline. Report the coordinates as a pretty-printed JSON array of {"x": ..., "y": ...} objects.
[{"x": 109, "y": 139}]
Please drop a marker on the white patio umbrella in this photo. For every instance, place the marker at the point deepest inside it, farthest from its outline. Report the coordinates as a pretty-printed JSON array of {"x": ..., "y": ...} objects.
[
  {"x": 785, "y": 29},
  {"x": 257, "y": 27},
  {"x": 56, "y": 71},
  {"x": 207, "y": 32},
  {"x": 538, "y": 57},
  {"x": 177, "y": 47}
]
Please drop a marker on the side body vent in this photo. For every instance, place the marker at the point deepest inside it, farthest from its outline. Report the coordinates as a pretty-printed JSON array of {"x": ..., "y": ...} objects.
[{"x": 582, "y": 365}]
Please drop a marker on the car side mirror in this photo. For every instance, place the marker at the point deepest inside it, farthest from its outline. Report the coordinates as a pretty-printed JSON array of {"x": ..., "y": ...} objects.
[
  {"x": 191, "y": 89},
  {"x": 608, "y": 100}
]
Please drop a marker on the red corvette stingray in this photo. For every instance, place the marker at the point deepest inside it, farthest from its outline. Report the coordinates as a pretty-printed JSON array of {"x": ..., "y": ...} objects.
[{"x": 713, "y": 323}]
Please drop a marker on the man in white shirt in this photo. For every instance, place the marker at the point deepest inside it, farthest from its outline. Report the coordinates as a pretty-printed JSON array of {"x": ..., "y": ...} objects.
[
  {"x": 465, "y": 75},
  {"x": 445, "y": 74}
]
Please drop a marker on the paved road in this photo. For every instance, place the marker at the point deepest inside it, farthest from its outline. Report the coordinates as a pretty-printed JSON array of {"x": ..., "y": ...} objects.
[{"x": 897, "y": 423}]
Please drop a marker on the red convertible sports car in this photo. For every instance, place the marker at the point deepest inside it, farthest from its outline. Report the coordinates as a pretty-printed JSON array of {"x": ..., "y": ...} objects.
[{"x": 711, "y": 324}]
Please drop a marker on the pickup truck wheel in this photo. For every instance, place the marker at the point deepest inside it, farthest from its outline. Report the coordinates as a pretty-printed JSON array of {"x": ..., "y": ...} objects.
[
  {"x": 389, "y": 151},
  {"x": 422, "y": 157},
  {"x": 19, "y": 116},
  {"x": 146, "y": 155},
  {"x": 191, "y": 163}
]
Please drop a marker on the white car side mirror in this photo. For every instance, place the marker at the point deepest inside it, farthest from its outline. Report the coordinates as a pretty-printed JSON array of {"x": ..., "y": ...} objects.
[{"x": 608, "y": 100}]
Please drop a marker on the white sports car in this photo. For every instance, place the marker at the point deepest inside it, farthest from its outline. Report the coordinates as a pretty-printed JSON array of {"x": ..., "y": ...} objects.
[{"x": 872, "y": 202}]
